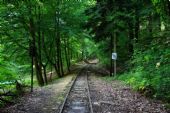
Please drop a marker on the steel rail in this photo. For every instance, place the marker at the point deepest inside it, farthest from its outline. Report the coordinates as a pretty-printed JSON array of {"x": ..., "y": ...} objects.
[
  {"x": 90, "y": 102},
  {"x": 66, "y": 97},
  {"x": 62, "y": 106}
]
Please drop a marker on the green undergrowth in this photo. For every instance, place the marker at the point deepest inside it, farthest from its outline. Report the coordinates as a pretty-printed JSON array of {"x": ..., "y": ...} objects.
[
  {"x": 153, "y": 85},
  {"x": 149, "y": 70}
]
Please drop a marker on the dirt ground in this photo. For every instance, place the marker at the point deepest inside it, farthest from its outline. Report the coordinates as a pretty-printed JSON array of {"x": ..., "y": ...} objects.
[
  {"x": 116, "y": 97},
  {"x": 43, "y": 100},
  {"x": 107, "y": 97}
]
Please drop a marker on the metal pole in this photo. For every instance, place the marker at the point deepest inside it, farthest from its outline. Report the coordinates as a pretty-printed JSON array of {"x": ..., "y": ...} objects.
[{"x": 115, "y": 52}]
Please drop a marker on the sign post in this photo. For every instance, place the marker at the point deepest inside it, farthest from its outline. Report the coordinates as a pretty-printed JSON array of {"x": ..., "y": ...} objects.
[{"x": 114, "y": 55}]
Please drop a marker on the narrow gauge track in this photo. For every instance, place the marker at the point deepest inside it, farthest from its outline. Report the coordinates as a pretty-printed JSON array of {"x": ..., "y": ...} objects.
[{"x": 78, "y": 98}]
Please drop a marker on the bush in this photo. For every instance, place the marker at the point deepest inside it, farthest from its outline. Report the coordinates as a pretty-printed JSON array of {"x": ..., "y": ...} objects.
[{"x": 150, "y": 71}]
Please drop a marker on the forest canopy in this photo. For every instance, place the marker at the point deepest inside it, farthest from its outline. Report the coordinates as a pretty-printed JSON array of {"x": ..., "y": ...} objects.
[
  {"x": 38, "y": 37},
  {"x": 139, "y": 30}
]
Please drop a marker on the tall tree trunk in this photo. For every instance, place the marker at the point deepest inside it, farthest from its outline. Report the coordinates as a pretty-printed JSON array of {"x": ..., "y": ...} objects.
[
  {"x": 137, "y": 24},
  {"x": 131, "y": 39},
  {"x": 48, "y": 55},
  {"x": 159, "y": 22},
  {"x": 38, "y": 72},
  {"x": 58, "y": 57},
  {"x": 68, "y": 50},
  {"x": 66, "y": 54},
  {"x": 32, "y": 31},
  {"x": 150, "y": 28},
  {"x": 61, "y": 60},
  {"x": 39, "y": 41},
  {"x": 71, "y": 53},
  {"x": 57, "y": 67},
  {"x": 31, "y": 54},
  {"x": 45, "y": 74},
  {"x": 32, "y": 71}
]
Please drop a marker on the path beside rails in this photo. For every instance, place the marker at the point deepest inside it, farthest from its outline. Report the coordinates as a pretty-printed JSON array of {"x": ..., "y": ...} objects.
[
  {"x": 116, "y": 97},
  {"x": 87, "y": 92},
  {"x": 45, "y": 99}
]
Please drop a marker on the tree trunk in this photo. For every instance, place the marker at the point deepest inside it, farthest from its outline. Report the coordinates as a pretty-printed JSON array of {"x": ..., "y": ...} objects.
[
  {"x": 39, "y": 42},
  {"x": 57, "y": 39},
  {"x": 32, "y": 72},
  {"x": 61, "y": 62},
  {"x": 136, "y": 24},
  {"x": 31, "y": 54},
  {"x": 45, "y": 74},
  {"x": 66, "y": 55},
  {"x": 150, "y": 29},
  {"x": 38, "y": 70},
  {"x": 71, "y": 53},
  {"x": 131, "y": 39}
]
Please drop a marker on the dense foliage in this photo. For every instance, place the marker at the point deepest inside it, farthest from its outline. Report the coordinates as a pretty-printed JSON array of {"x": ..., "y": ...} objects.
[
  {"x": 38, "y": 36},
  {"x": 141, "y": 28}
]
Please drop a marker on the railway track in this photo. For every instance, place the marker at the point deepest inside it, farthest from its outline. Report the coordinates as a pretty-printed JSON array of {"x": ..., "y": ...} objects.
[{"x": 78, "y": 98}]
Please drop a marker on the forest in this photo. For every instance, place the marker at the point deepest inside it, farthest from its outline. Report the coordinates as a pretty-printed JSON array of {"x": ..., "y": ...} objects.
[{"x": 41, "y": 40}]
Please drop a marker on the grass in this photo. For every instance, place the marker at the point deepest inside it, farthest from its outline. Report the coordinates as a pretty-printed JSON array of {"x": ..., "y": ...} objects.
[{"x": 108, "y": 78}]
